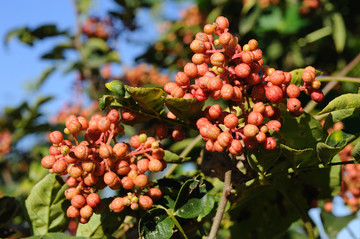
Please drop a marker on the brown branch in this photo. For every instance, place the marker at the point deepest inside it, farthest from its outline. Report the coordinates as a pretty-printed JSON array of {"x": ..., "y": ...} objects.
[{"x": 222, "y": 205}]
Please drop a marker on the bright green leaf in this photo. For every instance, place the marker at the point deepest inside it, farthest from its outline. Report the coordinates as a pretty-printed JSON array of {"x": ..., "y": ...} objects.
[
  {"x": 46, "y": 205},
  {"x": 155, "y": 224},
  {"x": 171, "y": 157},
  {"x": 116, "y": 87}
]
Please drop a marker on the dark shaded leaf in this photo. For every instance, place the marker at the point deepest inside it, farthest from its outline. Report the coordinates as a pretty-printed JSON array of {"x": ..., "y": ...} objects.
[
  {"x": 333, "y": 224},
  {"x": 261, "y": 159},
  {"x": 356, "y": 152},
  {"x": 155, "y": 224},
  {"x": 301, "y": 132},
  {"x": 184, "y": 108},
  {"x": 8, "y": 209},
  {"x": 299, "y": 157},
  {"x": 149, "y": 99}
]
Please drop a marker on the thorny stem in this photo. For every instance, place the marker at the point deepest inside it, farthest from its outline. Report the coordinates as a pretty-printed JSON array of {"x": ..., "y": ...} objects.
[
  {"x": 222, "y": 205},
  {"x": 311, "y": 105},
  {"x": 184, "y": 153}
]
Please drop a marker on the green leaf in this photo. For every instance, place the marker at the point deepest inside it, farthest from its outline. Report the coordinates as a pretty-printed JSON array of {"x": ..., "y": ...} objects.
[
  {"x": 8, "y": 209},
  {"x": 293, "y": 21},
  {"x": 337, "y": 116},
  {"x": 301, "y": 132},
  {"x": 44, "y": 76},
  {"x": 193, "y": 200},
  {"x": 299, "y": 157},
  {"x": 55, "y": 236},
  {"x": 46, "y": 205},
  {"x": 325, "y": 152},
  {"x": 149, "y": 99},
  {"x": 58, "y": 52},
  {"x": 272, "y": 21},
  {"x": 155, "y": 224},
  {"x": 46, "y": 31},
  {"x": 339, "y": 31},
  {"x": 344, "y": 102},
  {"x": 333, "y": 224},
  {"x": 296, "y": 76},
  {"x": 112, "y": 101},
  {"x": 23, "y": 34},
  {"x": 334, "y": 143},
  {"x": 261, "y": 159},
  {"x": 184, "y": 108},
  {"x": 101, "y": 224},
  {"x": 356, "y": 152},
  {"x": 171, "y": 157},
  {"x": 116, "y": 87}
]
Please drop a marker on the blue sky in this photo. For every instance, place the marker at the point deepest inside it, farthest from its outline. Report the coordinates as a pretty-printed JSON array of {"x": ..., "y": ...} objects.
[{"x": 20, "y": 64}]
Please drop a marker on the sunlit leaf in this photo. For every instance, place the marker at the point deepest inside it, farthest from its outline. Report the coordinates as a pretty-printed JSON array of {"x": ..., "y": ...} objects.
[{"x": 46, "y": 205}]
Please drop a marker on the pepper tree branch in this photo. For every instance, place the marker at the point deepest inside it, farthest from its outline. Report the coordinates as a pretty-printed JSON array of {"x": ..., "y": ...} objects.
[{"x": 222, "y": 205}]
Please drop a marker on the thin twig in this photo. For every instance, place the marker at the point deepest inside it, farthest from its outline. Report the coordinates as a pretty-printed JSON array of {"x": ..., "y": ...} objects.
[
  {"x": 311, "y": 105},
  {"x": 222, "y": 205},
  {"x": 340, "y": 79},
  {"x": 184, "y": 153}
]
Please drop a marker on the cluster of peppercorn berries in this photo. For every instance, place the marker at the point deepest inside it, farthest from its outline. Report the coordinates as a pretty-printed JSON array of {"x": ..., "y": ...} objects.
[
  {"x": 221, "y": 68},
  {"x": 99, "y": 161},
  {"x": 350, "y": 185},
  {"x": 95, "y": 27}
]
